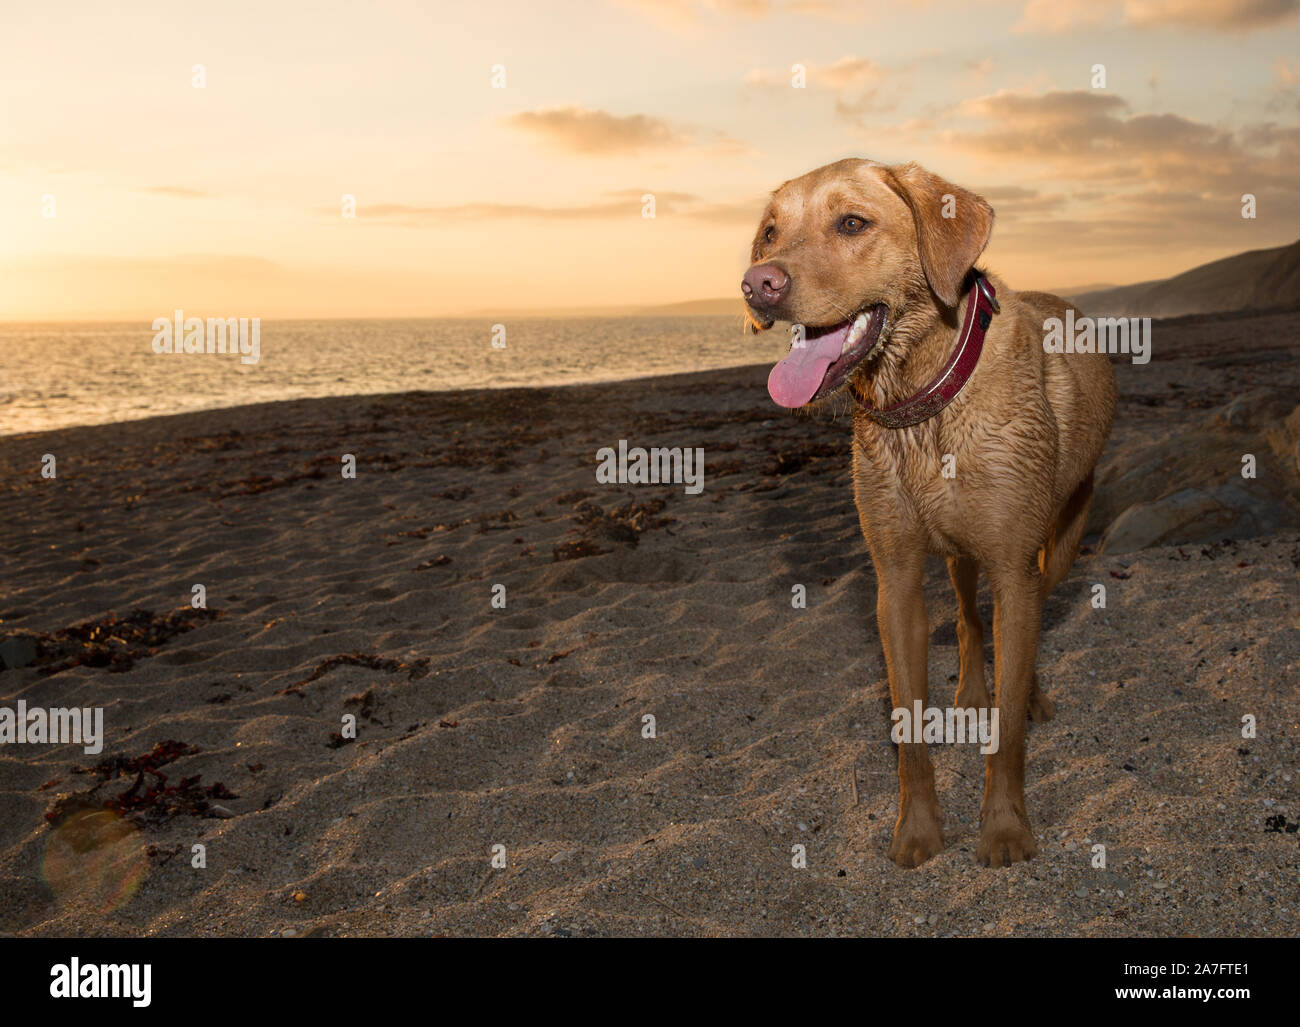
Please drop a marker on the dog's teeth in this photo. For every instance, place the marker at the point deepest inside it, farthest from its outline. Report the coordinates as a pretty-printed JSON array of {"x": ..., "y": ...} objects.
[{"x": 855, "y": 333}]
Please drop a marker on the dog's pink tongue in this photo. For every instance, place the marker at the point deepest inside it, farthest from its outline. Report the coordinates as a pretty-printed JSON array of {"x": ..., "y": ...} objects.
[{"x": 795, "y": 380}]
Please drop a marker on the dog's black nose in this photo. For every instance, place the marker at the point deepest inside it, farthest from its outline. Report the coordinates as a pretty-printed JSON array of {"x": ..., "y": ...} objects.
[{"x": 765, "y": 285}]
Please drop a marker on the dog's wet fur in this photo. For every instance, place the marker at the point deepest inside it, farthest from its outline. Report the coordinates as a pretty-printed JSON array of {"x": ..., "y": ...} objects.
[{"x": 1024, "y": 433}]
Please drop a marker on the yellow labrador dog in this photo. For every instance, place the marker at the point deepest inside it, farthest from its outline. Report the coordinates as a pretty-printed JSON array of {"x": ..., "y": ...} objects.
[{"x": 970, "y": 441}]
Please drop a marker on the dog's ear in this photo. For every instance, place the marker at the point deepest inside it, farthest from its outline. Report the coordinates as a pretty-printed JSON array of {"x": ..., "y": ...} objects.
[{"x": 953, "y": 226}]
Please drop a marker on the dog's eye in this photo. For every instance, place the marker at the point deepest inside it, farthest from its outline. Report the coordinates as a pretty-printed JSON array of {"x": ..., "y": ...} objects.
[
  {"x": 769, "y": 233},
  {"x": 852, "y": 224}
]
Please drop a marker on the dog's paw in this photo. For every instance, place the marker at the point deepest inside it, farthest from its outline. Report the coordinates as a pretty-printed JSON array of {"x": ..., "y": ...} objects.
[
  {"x": 1040, "y": 707},
  {"x": 1005, "y": 838},
  {"x": 970, "y": 697},
  {"x": 917, "y": 837}
]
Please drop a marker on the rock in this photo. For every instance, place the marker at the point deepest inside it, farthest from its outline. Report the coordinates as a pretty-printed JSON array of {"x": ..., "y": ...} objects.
[
  {"x": 1252, "y": 409},
  {"x": 1175, "y": 472},
  {"x": 1193, "y": 515},
  {"x": 1148, "y": 524},
  {"x": 17, "y": 651}
]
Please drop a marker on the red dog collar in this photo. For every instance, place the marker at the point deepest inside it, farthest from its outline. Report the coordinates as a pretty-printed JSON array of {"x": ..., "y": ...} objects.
[{"x": 981, "y": 305}]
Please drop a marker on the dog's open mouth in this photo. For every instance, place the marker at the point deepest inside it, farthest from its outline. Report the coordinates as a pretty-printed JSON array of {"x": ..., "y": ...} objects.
[{"x": 825, "y": 359}]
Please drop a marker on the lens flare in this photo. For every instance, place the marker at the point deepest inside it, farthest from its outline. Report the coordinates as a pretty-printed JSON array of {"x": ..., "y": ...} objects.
[{"x": 95, "y": 859}]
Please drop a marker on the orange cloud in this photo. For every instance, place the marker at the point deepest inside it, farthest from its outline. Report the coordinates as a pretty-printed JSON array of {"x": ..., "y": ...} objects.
[
  {"x": 842, "y": 77},
  {"x": 624, "y": 203},
  {"x": 1220, "y": 15},
  {"x": 684, "y": 13},
  {"x": 594, "y": 131}
]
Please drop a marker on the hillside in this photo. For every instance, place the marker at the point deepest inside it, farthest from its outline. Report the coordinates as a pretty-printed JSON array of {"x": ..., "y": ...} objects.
[{"x": 1254, "y": 280}]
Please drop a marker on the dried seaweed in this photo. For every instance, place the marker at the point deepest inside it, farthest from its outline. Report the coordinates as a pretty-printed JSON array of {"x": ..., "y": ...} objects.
[
  {"x": 114, "y": 642},
  {"x": 149, "y": 798},
  {"x": 624, "y": 524}
]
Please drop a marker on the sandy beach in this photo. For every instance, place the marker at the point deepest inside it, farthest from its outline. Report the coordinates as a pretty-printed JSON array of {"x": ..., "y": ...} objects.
[{"x": 477, "y": 726}]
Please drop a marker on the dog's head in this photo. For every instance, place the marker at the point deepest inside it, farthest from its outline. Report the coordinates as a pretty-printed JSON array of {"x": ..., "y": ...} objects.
[{"x": 846, "y": 248}]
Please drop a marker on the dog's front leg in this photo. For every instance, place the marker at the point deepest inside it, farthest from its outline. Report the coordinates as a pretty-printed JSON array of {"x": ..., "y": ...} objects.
[
  {"x": 1005, "y": 834},
  {"x": 900, "y": 612}
]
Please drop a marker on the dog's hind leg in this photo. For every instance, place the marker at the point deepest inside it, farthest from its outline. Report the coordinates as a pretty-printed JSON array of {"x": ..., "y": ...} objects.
[
  {"x": 972, "y": 692},
  {"x": 1005, "y": 834},
  {"x": 1062, "y": 546},
  {"x": 1054, "y": 561}
]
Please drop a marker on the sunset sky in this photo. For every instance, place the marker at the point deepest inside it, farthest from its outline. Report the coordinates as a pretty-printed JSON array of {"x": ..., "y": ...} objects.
[{"x": 226, "y": 200}]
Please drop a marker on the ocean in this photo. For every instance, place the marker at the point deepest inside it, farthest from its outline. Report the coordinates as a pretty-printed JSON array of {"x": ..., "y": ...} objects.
[{"x": 60, "y": 375}]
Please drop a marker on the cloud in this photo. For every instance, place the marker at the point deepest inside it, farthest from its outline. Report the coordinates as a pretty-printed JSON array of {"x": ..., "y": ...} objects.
[
  {"x": 1015, "y": 201},
  {"x": 584, "y": 130},
  {"x": 846, "y": 73},
  {"x": 598, "y": 132},
  {"x": 844, "y": 77},
  {"x": 1089, "y": 135},
  {"x": 1238, "y": 15},
  {"x": 1162, "y": 178},
  {"x": 623, "y": 203},
  {"x": 1217, "y": 15},
  {"x": 682, "y": 14}
]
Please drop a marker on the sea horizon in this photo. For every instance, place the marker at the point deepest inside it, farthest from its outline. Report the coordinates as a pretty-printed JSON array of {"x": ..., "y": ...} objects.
[{"x": 78, "y": 374}]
